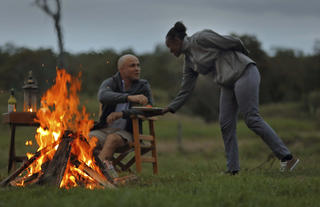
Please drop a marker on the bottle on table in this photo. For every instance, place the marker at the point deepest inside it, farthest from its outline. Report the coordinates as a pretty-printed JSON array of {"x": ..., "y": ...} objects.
[{"x": 12, "y": 102}]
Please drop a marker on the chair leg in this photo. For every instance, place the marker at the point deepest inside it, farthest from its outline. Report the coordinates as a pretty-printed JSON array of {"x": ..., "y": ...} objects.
[
  {"x": 133, "y": 159},
  {"x": 138, "y": 151},
  {"x": 117, "y": 160},
  {"x": 154, "y": 149},
  {"x": 137, "y": 148}
]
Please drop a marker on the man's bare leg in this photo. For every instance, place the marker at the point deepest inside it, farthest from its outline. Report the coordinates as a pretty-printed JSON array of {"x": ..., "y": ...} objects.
[{"x": 113, "y": 141}]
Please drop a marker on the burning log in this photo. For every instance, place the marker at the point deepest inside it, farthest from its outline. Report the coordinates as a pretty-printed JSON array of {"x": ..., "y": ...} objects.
[
  {"x": 89, "y": 171},
  {"x": 53, "y": 174},
  {"x": 125, "y": 179},
  {"x": 30, "y": 180},
  {"x": 26, "y": 164},
  {"x": 53, "y": 171}
]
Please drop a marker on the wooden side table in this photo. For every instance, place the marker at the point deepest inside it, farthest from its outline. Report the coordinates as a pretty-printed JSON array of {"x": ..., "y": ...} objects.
[{"x": 15, "y": 119}]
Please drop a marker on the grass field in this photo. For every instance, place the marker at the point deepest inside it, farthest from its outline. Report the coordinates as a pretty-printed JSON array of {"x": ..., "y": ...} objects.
[{"x": 193, "y": 176}]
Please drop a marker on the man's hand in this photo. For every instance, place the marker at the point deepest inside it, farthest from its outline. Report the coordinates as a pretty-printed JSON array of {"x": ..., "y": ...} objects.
[
  {"x": 140, "y": 99},
  {"x": 114, "y": 116}
]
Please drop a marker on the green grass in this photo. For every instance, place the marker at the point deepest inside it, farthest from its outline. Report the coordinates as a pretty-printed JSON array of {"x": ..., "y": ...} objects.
[
  {"x": 193, "y": 176},
  {"x": 184, "y": 180}
]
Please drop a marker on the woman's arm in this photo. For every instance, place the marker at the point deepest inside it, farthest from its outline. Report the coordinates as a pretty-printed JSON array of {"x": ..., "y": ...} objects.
[{"x": 189, "y": 79}]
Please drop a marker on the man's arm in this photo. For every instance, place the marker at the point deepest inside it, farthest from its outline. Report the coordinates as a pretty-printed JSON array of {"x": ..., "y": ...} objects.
[
  {"x": 107, "y": 95},
  {"x": 146, "y": 97},
  {"x": 114, "y": 116}
]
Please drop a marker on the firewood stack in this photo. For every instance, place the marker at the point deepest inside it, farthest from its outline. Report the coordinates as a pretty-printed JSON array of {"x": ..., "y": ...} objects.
[{"x": 53, "y": 171}]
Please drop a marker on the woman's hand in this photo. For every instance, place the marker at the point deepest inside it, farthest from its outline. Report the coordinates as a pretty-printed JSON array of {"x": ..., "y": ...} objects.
[
  {"x": 114, "y": 116},
  {"x": 165, "y": 110}
]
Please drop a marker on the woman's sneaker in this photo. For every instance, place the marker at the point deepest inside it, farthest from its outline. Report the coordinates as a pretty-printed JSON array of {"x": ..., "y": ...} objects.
[
  {"x": 288, "y": 165},
  {"x": 228, "y": 172}
]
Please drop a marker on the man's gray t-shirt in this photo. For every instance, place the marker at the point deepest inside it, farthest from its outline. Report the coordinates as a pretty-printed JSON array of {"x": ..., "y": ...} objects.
[{"x": 120, "y": 123}]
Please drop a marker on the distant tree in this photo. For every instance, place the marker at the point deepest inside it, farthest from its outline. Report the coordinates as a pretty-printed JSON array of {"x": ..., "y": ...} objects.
[
  {"x": 204, "y": 101},
  {"x": 316, "y": 47},
  {"x": 162, "y": 69},
  {"x": 287, "y": 75},
  {"x": 254, "y": 46},
  {"x": 15, "y": 63},
  {"x": 56, "y": 16}
]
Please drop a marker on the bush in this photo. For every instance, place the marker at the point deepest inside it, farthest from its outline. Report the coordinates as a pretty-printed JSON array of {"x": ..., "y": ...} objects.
[{"x": 313, "y": 103}]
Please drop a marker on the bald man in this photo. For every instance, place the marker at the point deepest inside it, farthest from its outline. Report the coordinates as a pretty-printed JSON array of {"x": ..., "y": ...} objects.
[{"x": 116, "y": 96}]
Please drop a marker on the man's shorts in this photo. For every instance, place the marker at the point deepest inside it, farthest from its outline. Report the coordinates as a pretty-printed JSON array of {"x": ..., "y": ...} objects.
[{"x": 102, "y": 134}]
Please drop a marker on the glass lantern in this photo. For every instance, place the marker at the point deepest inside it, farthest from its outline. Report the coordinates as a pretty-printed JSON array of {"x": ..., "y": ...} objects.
[{"x": 30, "y": 89}]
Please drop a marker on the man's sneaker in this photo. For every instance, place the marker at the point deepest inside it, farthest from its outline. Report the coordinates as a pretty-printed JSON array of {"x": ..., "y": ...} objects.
[
  {"x": 288, "y": 165},
  {"x": 110, "y": 169}
]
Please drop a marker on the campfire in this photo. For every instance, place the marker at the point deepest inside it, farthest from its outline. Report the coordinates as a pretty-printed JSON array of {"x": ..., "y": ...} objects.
[{"x": 65, "y": 156}]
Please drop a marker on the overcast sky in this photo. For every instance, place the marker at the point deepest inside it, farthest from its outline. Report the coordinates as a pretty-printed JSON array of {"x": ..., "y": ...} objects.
[{"x": 142, "y": 24}]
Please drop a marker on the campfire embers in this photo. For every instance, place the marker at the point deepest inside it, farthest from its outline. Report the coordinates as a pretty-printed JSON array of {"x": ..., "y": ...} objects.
[
  {"x": 65, "y": 155},
  {"x": 64, "y": 169}
]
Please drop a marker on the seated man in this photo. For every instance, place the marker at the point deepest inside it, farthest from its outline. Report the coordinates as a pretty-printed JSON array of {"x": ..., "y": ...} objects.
[{"x": 117, "y": 94}]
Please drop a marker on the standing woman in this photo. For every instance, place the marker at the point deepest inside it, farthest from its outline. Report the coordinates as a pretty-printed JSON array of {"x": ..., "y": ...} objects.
[{"x": 225, "y": 59}]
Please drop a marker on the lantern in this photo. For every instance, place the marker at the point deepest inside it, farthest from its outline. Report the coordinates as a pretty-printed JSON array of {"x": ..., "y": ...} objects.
[{"x": 30, "y": 94}]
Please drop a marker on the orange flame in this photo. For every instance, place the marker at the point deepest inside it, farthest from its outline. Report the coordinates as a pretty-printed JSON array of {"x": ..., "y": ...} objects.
[
  {"x": 58, "y": 113},
  {"x": 28, "y": 143}
]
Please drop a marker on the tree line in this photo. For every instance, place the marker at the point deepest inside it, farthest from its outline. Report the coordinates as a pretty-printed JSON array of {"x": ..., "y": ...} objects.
[{"x": 286, "y": 76}]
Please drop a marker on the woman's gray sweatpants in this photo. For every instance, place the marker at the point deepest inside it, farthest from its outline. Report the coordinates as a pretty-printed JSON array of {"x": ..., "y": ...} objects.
[{"x": 244, "y": 97}]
